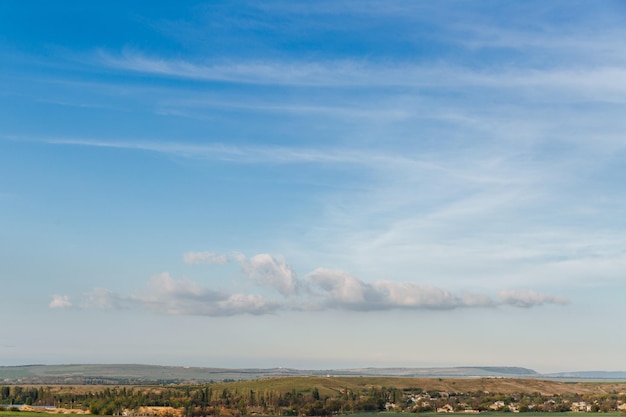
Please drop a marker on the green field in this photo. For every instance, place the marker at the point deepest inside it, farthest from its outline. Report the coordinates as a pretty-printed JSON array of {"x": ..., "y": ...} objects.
[
  {"x": 20, "y": 414},
  {"x": 331, "y": 386}
]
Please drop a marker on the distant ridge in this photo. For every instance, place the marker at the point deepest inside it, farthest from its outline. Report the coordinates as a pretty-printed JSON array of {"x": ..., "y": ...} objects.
[
  {"x": 456, "y": 372},
  {"x": 608, "y": 375},
  {"x": 141, "y": 374},
  {"x": 136, "y": 374}
]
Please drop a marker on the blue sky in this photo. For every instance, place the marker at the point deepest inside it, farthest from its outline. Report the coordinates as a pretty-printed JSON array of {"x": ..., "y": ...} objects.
[{"x": 313, "y": 185}]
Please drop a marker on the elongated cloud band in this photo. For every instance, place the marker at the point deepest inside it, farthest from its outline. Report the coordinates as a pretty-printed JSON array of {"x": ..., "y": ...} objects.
[
  {"x": 363, "y": 73},
  {"x": 321, "y": 289},
  {"x": 342, "y": 290},
  {"x": 527, "y": 299}
]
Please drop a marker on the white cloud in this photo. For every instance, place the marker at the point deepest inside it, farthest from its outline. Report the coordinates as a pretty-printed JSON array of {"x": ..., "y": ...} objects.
[
  {"x": 342, "y": 287},
  {"x": 596, "y": 83},
  {"x": 103, "y": 298},
  {"x": 244, "y": 154},
  {"x": 171, "y": 296},
  {"x": 346, "y": 291},
  {"x": 194, "y": 258},
  {"x": 263, "y": 269},
  {"x": 526, "y": 299},
  {"x": 272, "y": 272},
  {"x": 477, "y": 300},
  {"x": 279, "y": 73},
  {"x": 246, "y": 303},
  {"x": 409, "y": 295},
  {"x": 167, "y": 295},
  {"x": 325, "y": 289},
  {"x": 164, "y": 284},
  {"x": 60, "y": 301}
]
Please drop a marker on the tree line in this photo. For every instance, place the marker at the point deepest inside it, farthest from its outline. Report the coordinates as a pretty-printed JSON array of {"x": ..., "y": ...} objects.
[{"x": 208, "y": 400}]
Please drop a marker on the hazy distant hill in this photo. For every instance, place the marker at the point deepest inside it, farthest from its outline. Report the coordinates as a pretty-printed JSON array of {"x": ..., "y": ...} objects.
[
  {"x": 458, "y": 372},
  {"x": 129, "y": 373},
  {"x": 137, "y": 374},
  {"x": 152, "y": 374},
  {"x": 609, "y": 375}
]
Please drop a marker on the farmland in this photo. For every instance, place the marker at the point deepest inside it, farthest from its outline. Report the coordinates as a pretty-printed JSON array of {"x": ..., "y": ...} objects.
[{"x": 309, "y": 396}]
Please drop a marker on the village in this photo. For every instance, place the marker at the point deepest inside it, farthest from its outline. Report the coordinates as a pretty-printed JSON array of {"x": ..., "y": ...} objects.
[{"x": 477, "y": 402}]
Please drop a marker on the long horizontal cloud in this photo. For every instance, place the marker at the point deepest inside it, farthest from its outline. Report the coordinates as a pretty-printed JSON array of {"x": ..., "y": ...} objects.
[
  {"x": 322, "y": 289},
  {"x": 172, "y": 296},
  {"x": 167, "y": 295},
  {"x": 342, "y": 290},
  {"x": 527, "y": 299},
  {"x": 362, "y": 73},
  {"x": 243, "y": 154}
]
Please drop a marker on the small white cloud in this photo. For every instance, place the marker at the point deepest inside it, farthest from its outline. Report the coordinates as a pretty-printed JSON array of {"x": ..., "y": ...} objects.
[
  {"x": 194, "y": 258},
  {"x": 60, "y": 301},
  {"x": 526, "y": 299},
  {"x": 272, "y": 272},
  {"x": 103, "y": 298}
]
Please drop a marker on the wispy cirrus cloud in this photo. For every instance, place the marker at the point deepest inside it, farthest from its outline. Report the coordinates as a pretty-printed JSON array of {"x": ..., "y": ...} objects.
[
  {"x": 321, "y": 289},
  {"x": 241, "y": 153},
  {"x": 277, "y": 73},
  {"x": 595, "y": 82}
]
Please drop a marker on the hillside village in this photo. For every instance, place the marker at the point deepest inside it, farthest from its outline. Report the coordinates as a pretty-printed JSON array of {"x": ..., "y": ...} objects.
[{"x": 476, "y": 402}]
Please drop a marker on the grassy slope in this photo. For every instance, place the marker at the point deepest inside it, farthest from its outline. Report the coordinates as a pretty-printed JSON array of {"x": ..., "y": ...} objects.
[{"x": 332, "y": 385}]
